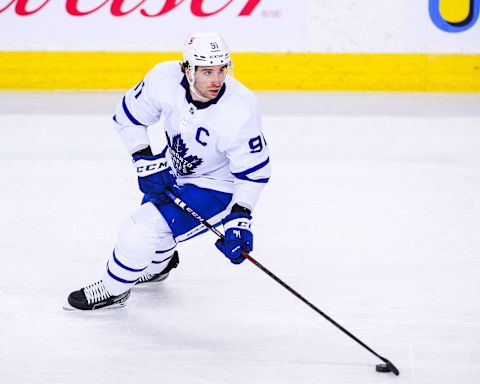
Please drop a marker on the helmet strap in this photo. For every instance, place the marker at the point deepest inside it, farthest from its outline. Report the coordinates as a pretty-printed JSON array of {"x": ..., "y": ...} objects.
[{"x": 191, "y": 74}]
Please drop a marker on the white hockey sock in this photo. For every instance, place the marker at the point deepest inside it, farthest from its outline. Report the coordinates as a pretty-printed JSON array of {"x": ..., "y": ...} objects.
[
  {"x": 139, "y": 237},
  {"x": 121, "y": 274},
  {"x": 160, "y": 260}
]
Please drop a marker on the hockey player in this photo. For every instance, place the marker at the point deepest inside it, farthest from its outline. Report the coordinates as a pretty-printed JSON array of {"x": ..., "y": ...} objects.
[{"x": 216, "y": 160}]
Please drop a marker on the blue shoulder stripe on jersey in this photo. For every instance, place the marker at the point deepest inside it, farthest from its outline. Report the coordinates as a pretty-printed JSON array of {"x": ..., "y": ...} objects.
[
  {"x": 243, "y": 175},
  {"x": 138, "y": 85},
  {"x": 124, "y": 266},
  {"x": 120, "y": 279},
  {"x": 129, "y": 115}
]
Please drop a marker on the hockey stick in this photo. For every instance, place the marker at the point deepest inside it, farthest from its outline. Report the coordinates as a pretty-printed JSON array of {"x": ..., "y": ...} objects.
[{"x": 387, "y": 367}]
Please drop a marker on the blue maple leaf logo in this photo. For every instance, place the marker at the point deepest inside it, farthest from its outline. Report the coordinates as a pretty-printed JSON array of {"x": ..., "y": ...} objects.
[{"x": 185, "y": 165}]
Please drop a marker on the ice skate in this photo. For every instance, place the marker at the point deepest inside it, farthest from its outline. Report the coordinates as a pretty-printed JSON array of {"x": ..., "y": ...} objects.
[
  {"x": 95, "y": 296},
  {"x": 156, "y": 277}
]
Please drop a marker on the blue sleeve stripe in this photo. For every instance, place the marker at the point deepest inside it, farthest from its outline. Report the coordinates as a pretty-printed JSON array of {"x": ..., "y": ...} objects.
[
  {"x": 253, "y": 169},
  {"x": 115, "y": 118},
  {"x": 124, "y": 266},
  {"x": 262, "y": 181},
  {"x": 243, "y": 175},
  {"x": 129, "y": 115}
]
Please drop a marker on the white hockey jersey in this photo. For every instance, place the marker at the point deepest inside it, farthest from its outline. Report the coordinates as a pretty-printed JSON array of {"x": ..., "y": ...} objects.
[{"x": 218, "y": 145}]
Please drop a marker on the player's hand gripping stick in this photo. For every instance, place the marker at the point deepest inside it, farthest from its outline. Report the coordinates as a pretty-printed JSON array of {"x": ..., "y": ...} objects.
[
  {"x": 154, "y": 173},
  {"x": 238, "y": 236},
  {"x": 386, "y": 367}
]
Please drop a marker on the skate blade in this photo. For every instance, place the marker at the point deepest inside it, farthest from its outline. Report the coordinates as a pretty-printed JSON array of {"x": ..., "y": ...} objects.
[
  {"x": 69, "y": 308},
  {"x": 155, "y": 280}
]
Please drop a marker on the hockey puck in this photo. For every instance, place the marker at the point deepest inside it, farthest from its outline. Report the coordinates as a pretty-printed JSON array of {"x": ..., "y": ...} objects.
[
  {"x": 383, "y": 368},
  {"x": 387, "y": 367}
]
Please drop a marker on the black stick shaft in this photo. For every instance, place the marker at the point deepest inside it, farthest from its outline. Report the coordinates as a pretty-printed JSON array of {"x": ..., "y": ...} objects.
[
  {"x": 186, "y": 208},
  {"x": 293, "y": 291}
]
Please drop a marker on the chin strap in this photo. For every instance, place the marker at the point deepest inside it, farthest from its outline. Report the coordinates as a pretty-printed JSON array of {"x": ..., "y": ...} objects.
[{"x": 192, "y": 85}]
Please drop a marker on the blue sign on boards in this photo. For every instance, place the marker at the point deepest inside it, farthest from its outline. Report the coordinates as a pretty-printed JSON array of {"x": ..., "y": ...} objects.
[{"x": 442, "y": 23}]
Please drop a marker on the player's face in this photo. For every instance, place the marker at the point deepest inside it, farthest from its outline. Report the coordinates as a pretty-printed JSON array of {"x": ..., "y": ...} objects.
[{"x": 209, "y": 80}]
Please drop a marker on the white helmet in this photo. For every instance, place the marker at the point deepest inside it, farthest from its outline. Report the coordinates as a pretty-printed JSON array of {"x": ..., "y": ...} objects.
[{"x": 202, "y": 49}]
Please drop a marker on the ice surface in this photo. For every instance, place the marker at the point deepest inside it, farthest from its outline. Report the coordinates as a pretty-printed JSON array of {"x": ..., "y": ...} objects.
[{"x": 372, "y": 213}]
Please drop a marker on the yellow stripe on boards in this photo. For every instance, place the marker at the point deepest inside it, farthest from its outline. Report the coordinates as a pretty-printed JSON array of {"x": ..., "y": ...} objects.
[
  {"x": 259, "y": 71},
  {"x": 76, "y": 70},
  {"x": 360, "y": 72}
]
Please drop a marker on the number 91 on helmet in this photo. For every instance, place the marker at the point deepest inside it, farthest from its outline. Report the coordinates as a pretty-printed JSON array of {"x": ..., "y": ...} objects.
[{"x": 205, "y": 49}]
